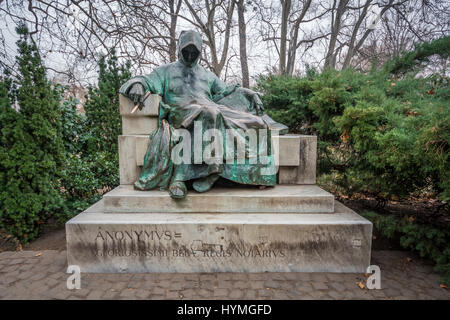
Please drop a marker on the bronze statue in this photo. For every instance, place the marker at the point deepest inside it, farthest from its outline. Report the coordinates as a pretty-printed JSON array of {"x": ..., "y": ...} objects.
[{"x": 191, "y": 94}]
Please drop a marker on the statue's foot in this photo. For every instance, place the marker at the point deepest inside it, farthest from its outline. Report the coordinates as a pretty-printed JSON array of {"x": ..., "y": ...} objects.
[
  {"x": 138, "y": 186},
  {"x": 206, "y": 183},
  {"x": 178, "y": 190}
]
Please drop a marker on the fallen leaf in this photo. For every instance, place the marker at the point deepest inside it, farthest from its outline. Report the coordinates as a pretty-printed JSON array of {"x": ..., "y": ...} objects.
[
  {"x": 444, "y": 286},
  {"x": 38, "y": 254},
  {"x": 361, "y": 285},
  {"x": 412, "y": 113},
  {"x": 345, "y": 136}
]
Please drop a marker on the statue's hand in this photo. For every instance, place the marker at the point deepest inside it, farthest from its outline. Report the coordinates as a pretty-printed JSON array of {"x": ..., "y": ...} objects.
[
  {"x": 257, "y": 103},
  {"x": 137, "y": 93},
  {"x": 255, "y": 100}
]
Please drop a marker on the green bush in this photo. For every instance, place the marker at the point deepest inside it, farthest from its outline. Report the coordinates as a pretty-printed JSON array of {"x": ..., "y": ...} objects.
[
  {"x": 102, "y": 105},
  {"x": 85, "y": 180},
  {"x": 287, "y": 99},
  {"x": 379, "y": 133},
  {"x": 385, "y": 133},
  {"x": 54, "y": 160},
  {"x": 429, "y": 241},
  {"x": 91, "y": 140},
  {"x": 87, "y": 172},
  {"x": 75, "y": 131},
  {"x": 31, "y": 146}
]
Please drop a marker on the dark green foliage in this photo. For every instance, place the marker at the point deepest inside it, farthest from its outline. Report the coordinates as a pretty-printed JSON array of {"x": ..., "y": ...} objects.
[
  {"x": 85, "y": 180},
  {"x": 287, "y": 100},
  {"x": 31, "y": 146},
  {"x": 429, "y": 241},
  {"x": 102, "y": 105},
  {"x": 91, "y": 140},
  {"x": 74, "y": 125},
  {"x": 399, "y": 142},
  {"x": 385, "y": 134},
  {"x": 87, "y": 173},
  {"x": 54, "y": 161},
  {"x": 378, "y": 135}
]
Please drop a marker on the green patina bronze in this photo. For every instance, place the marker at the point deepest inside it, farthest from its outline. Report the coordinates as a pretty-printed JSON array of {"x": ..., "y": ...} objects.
[{"x": 191, "y": 93}]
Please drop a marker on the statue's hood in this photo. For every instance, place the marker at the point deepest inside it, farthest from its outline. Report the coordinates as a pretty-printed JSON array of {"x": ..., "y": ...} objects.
[{"x": 188, "y": 37}]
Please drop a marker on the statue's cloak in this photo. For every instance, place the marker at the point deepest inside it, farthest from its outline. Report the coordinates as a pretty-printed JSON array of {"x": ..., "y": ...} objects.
[{"x": 191, "y": 93}]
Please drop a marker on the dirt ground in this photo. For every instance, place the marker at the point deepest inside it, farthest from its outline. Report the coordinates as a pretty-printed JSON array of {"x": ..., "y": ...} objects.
[{"x": 50, "y": 240}]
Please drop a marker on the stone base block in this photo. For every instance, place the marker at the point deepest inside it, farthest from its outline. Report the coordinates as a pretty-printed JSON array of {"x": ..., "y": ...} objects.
[
  {"x": 305, "y": 172},
  {"x": 138, "y": 243},
  {"x": 278, "y": 199}
]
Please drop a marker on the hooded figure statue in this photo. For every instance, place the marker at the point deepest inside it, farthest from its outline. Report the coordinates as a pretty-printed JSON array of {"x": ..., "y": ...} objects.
[{"x": 194, "y": 100}]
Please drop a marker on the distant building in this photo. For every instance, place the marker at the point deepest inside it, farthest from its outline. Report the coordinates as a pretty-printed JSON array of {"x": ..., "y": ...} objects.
[{"x": 78, "y": 93}]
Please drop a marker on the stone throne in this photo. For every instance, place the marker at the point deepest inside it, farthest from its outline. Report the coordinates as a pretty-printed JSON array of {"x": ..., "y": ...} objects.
[{"x": 294, "y": 227}]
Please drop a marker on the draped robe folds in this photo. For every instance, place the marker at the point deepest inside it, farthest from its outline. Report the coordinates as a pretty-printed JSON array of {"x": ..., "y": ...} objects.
[{"x": 191, "y": 93}]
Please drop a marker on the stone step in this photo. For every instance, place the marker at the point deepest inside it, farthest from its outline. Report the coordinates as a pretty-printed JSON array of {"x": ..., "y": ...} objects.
[
  {"x": 249, "y": 242},
  {"x": 278, "y": 199}
]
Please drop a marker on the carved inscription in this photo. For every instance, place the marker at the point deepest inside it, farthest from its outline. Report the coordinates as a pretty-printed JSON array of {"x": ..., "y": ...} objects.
[
  {"x": 168, "y": 243},
  {"x": 133, "y": 235}
]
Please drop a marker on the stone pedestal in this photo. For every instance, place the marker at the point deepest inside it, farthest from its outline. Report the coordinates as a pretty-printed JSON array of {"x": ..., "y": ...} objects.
[
  {"x": 220, "y": 242},
  {"x": 292, "y": 227}
]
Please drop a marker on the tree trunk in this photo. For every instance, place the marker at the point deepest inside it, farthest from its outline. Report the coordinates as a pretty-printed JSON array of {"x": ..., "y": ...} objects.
[
  {"x": 286, "y": 8},
  {"x": 208, "y": 28},
  {"x": 243, "y": 44},
  {"x": 352, "y": 48},
  {"x": 174, "y": 11},
  {"x": 330, "y": 58},
  {"x": 294, "y": 36}
]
